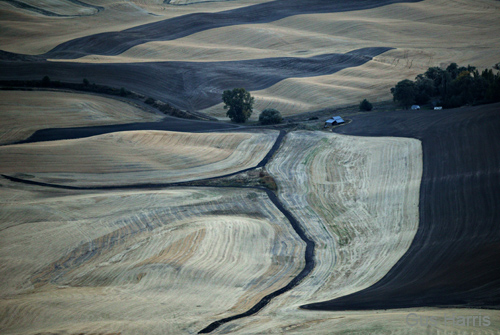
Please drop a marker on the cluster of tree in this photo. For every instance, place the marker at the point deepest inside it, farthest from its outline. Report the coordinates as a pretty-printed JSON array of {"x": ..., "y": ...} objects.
[
  {"x": 453, "y": 87},
  {"x": 239, "y": 104}
]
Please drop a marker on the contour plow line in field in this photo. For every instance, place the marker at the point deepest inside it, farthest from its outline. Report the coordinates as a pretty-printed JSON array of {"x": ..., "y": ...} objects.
[
  {"x": 86, "y": 252},
  {"x": 192, "y": 85},
  {"x": 138, "y": 157},
  {"x": 355, "y": 245},
  {"x": 155, "y": 261}
]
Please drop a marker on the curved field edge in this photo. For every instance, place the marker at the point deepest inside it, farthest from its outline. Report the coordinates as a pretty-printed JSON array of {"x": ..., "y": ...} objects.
[
  {"x": 46, "y": 32},
  {"x": 414, "y": 29},
  {"x": 129, "y": 255},
  {"x": 57, "y": 8},
  {"x": 25, "y": 112},
  {"x": 115, "y": 43},
  {"x": 452, "y": 260},
  {"x": 357, "y": 198},
  {"x": 126, "y": 158},
  {"x": 192, "y": 85}
]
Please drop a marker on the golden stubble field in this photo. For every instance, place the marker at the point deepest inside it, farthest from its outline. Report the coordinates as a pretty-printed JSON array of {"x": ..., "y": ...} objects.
[
  {"x": 136, "y": 157},
  {"x": 157, "y": 262},
  {"x": 423, "y": 34},
  {"x": 24, "y": 112},
  {"x": 171, "y": 261},
  {"x": 357, "y": 197},
  {"x": 29, "y": 32}
]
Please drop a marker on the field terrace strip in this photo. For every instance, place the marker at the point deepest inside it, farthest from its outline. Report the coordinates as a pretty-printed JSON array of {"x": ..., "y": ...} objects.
[
  {"x": 83, "y": 253},
  {"x": 453, "y": 259},
  {"x": 148, "y": 157},
  {"x": 191, "y": 85},
  {"x": 62, "y": 109},
  {"x": 144, "y": 260},
  {"x": 114, "y": 43}
]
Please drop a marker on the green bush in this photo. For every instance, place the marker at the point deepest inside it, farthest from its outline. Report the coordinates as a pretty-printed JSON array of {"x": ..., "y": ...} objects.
[
  {"x": 365, "y": 105},
  {"x": 270, "y": 116}
]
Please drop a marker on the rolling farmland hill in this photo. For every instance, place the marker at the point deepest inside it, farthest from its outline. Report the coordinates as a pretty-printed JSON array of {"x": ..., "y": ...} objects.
[
  {"x": 251, "y": 44},
  {"x": 118, "y": 219}
]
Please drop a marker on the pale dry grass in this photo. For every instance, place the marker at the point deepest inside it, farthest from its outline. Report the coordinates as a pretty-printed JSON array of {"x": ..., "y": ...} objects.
[
  {"x": 155, "y": 262},
  {"x": 357, "y": 198},
  {"x": 31, "y": 33},
  {"x": 424, "y": 34},
  {"x": 60, "y": 7},
  {"x": 388, "y": 322},
  {"x": 25, "y": 112},
  {"x": 136, "y": 157}
]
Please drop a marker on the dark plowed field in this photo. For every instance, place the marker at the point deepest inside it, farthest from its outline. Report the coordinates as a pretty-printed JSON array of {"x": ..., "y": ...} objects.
[
  {"x": 454, "y": 258},
  {"x": 190, "y": 85},
  {"x": 167, "y": 124},
  {"x": 114, "y": 43}
]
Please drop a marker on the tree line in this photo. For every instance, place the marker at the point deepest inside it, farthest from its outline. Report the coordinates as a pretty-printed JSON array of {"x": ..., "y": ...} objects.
[{"x": 452, "y": 87}]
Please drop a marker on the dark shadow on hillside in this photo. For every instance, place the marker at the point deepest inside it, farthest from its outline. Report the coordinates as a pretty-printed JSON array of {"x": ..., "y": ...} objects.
[{"x": 190, "y": 85}]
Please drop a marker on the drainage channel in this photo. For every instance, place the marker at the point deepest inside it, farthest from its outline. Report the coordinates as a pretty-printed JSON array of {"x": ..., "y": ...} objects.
[{"x": 310, "y": 245}]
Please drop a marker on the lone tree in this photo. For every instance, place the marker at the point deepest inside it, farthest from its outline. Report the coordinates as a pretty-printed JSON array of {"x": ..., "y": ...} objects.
[
  {"x": 365, "y": 105},
  {"x": 270, "y": 116},
  {"x": 404, "y": 93},
  {"x": 239, "y": 103}
]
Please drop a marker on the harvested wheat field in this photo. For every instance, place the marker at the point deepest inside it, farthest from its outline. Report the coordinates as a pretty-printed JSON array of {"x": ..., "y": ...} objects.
[
  {"x": 387, "y": 225},
  {"x": 36, "y": 27},
  {"x": 139, "y": 157},
  {"x": 411, "y": 35},
  {"x": 24, "y": 112},
  {"x": 156, "y": 262},
  {"x": 357, "y": 198},
  {"x": 453, "y": 258},
  {"x": 414, "y": 34}
]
